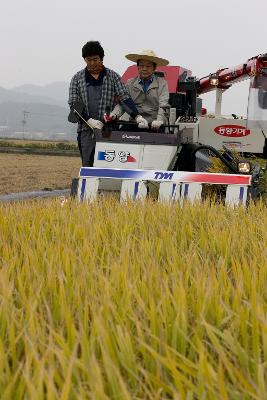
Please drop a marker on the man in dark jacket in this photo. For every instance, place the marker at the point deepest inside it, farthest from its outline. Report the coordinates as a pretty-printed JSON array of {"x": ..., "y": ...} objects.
[{"x": 99, "y": 89}]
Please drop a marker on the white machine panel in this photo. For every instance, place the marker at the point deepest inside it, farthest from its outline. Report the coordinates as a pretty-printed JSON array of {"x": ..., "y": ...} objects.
[
  {"x": 232, "y": 133},
  {"x": 157, "y": 156},
  {"x": 118, "y": 155},
  {"x": 132, "y": 156},
  {"x": 133, "y": 190},
  {"x": 140, "y": 150}
]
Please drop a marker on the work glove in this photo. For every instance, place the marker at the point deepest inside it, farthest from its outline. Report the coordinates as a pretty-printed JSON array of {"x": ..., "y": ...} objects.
[
  {"x": 142, "y": 122},
  {"x": 155, "y": 125},
  {"x": 110, "y": 117},
  {"x": 95, "y": 123}
]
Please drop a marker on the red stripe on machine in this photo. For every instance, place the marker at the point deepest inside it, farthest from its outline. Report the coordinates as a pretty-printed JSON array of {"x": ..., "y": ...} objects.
[{"x": 220, "y": 179}]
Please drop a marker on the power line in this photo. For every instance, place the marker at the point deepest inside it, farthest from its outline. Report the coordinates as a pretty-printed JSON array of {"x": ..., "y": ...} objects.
[
  {"x": 45, "y": 114},
  {"x": 24, "y": 121}
]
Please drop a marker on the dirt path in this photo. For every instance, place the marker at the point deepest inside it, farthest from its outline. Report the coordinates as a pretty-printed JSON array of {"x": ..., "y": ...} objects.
[{"x": 23, "y": 172}]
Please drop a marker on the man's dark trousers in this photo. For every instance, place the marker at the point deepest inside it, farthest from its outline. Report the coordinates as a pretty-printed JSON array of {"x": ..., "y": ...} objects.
[{"x": 86, "y": 144}]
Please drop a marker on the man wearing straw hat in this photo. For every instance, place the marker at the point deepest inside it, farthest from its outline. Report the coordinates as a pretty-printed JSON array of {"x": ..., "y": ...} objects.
[{"x": 148, "y": 91}]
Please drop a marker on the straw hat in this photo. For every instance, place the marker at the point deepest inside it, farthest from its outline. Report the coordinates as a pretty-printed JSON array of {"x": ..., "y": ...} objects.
[{"x": 148, "y": 55}]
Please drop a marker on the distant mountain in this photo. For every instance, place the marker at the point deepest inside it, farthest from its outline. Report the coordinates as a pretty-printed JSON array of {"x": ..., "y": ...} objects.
[
  {"x": 33, "y": 108},
  {"x": 35, "y": 117},
  {"x": 57, "y": 91},
  {"x": 23, "y": 97}
]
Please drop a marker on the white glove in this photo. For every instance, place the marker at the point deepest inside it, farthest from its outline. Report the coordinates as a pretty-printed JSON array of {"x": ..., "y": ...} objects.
[
  {"x": 142, "y": 122},
  {"x": 95, "y": 123},
  {"x": 156, "y": 124},
  {"x": 110, "y": 117}
]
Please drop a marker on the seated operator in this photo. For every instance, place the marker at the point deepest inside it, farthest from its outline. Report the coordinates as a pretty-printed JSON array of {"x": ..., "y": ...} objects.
[{"x": 148, "y": 91}]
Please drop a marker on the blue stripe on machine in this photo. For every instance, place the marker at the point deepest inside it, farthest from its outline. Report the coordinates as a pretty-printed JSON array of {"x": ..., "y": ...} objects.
[
  {"x": 186, "y": 187},
  {"x": 241, "y": 193},
  {"x": 83, "y": 189},
  {"x": 136, "y": 185},
  {"x": 111, "y": 173},
  {"x": 173, "y": 190}
]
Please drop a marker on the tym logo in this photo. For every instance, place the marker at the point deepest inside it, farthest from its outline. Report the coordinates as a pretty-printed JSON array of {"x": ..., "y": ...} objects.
[{"x": 163, "y": 175}]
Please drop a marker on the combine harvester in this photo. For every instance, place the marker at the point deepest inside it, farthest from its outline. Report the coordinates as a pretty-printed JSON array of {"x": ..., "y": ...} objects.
[{"x": 179, "y": 158}]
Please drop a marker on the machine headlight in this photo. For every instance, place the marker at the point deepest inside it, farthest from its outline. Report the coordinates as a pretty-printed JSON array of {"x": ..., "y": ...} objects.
[
  {"x": 214, "y": 80},
  {"x": 244, "y": 167}
]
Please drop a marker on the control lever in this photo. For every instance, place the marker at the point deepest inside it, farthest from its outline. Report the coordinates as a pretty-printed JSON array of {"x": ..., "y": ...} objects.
[
  {"x": 166, "y": 110},
  {"x": 107, "y": 128},
  {"x": 76, "y": 113}
]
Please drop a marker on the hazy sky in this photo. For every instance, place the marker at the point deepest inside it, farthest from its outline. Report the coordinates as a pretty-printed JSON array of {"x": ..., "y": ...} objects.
[{"x": 41, "y": 40}]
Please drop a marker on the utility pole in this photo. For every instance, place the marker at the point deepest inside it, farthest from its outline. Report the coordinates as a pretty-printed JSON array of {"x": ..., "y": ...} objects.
[{"x": 24, "y": 121}]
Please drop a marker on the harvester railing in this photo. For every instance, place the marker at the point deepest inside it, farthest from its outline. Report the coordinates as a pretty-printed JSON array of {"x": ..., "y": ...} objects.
[{"x": 173, "y": 185}]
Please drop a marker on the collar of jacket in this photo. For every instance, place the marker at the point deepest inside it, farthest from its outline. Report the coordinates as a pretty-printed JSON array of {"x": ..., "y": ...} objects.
[
  {"x": 150, "y": 80},
  {"x": 82, "y": 72},
  {"x": 93, "y": 81},
  {"x": 153, "y": 84}
]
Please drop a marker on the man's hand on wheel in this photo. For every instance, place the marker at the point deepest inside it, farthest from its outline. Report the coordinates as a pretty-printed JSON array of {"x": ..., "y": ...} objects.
[
  {"x": 142, "y": 122},
  {"x": 155, "y": 125}
]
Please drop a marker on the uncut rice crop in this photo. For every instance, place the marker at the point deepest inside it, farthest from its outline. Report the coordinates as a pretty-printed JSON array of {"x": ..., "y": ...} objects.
[{"x": 132, "y": 301}]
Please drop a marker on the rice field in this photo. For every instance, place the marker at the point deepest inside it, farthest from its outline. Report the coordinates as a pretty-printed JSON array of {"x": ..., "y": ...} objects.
[
  {"x": 132, "y": 301},
  {"x": 28, "y": 172}
]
